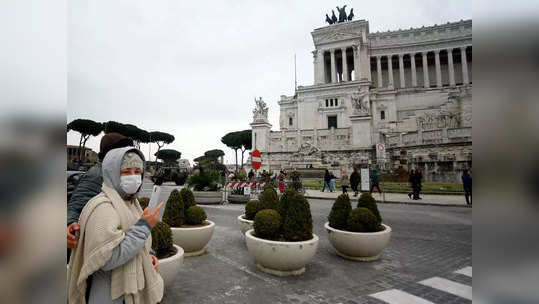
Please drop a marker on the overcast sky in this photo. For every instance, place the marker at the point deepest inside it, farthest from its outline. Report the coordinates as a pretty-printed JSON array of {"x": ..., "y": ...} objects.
[{"x": 193, "y": 68}]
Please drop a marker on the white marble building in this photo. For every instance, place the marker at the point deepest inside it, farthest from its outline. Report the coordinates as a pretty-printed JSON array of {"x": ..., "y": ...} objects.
[{"x": 409, "y": 90}]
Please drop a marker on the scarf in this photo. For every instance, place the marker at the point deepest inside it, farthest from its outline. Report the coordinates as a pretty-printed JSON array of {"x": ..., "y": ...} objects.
[{"x": 103, "y": 223}]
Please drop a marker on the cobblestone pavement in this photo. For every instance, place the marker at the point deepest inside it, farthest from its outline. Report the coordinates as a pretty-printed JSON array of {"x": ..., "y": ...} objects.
[{"x": 427, "y": 242}]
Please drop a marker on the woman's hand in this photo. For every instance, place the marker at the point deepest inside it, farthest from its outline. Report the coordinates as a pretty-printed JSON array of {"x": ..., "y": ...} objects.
[
  {"x": 155, "y": 262},
  {"x": 151, "y": 217}
]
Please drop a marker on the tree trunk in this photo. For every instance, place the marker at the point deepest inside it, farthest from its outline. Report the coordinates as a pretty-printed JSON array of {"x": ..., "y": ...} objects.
[
  {"x": 83, "y": 147},
  {"x": 80, "y": 144},
  {"x": 242, "y": 152},
  {"x": 158, "y": 148},
  {"x": 236, "y": 151}
]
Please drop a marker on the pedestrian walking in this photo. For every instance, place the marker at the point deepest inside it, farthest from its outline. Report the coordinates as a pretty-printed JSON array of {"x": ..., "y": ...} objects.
[
  {"x": 327, "y": 178},
  {"x": 251, "y": 175},
  {"x": 417, "y": 178},
  {"x": 355, "y": 179},
  {"x": 411, "y": 177},
  {"x": 332, "y": 181},
  {"x": 345, "y": 182},
  {"x": 282, "y": 176},
  {"x": 113, "y": 264},
  {"x": 375, "y": 182},
  {"x": 467, "y": 185}
]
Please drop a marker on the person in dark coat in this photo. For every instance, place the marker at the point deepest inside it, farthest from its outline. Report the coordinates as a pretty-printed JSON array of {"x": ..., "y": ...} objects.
[
  {"x": 327, "y": 178},
  {"x": 90, "y": 184},
  {"x": 375, "y": 182},
  {"x": 411, "y": 178},
  {"x": 355, "y": 179},
  {"x": 418, "y": 176},
  {"x": 467, "y": 185}
]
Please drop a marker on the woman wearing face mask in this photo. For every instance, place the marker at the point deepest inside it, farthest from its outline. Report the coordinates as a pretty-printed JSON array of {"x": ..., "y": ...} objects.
[{"x": 112, "y": 263}]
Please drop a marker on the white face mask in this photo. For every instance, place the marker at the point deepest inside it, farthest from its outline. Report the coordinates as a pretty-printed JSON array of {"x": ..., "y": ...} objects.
[{"x": 130, "y": 183}]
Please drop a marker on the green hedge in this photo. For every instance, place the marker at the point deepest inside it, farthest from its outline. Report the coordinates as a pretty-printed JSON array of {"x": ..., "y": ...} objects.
[
  {"x": 267, "y": 223},
  {"x": 339, "y": 212},
  {"x": 162, "y": 240},
  {"x": 195, "y": 215},
  {"x": 175, "y": 210},
  {"x": 362, "y": 220}
]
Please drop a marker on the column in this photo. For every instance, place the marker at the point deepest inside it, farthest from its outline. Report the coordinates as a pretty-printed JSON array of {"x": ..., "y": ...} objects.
[
  {"x": 465, "y": 79},
  {"x": 333, "y": 70},
  {"x": 390, "y": 71},
  {"x": 322, "y": 66},
  {"x": 355, "y": 50},
  {"x": 426, "y": 80},
  {"x": 414, "y": 74},
  {"x": 401, "y": 70},
  {"x": 344, "y": 65},
  {"x": 438, "y": 68},
  {"x": 316, "y": 68},
  {"x": 379, "y": 71},
  {"x": 451, "y": 67}
]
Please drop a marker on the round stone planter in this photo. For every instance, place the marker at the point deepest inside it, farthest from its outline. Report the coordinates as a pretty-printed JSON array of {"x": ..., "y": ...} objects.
[
  {"x": 193, "y": 240},
  {"x": 281, "y": 258},
  {"x": 244, "y": 224},
  {"x": 170, "y": 267},
  {"x": 207, "y": 197},
  {"x": 359, "y": 246},
  {"x": 238, "y": 198}
]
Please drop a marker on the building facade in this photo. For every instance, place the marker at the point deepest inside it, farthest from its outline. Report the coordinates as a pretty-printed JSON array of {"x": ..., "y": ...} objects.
[
  {"x": 89, "y": 156},
  {"x": 396, "y": 99}
]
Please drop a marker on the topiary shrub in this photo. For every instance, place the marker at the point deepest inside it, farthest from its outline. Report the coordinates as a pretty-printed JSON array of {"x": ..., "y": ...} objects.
[
  {"x": 269, "y": 198},
  {"x": 282, "y": 207},
  {"x": 267, "y": 223},
  {"x": 339, "y": 212},
  {"x": 251, "y": 208},
  {"x": 162, "y": 240},
  {"x": 175, "y": 210},
  {"x": 367, "y": 201},
  {"x": 195, "y": 215},
  {"x": 298, "y": 224},
  {"x": 188, "y": 197},
  {"x": 143, "y": 202},
  {"x": 362, "y": 220}
]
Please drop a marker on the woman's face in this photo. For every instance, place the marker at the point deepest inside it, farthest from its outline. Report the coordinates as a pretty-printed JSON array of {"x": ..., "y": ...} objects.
[{"x": 131, "y": 171}]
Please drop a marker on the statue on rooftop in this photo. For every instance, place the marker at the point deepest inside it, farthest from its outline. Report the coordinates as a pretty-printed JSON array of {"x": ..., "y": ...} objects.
[
  {"x": 351, "y": 15},
  {"x": 260, "y": 113},
  {"x": 342, "y": 14},
  {"x": 328, "y": 20},
  {"x": 333, "y": 17}
]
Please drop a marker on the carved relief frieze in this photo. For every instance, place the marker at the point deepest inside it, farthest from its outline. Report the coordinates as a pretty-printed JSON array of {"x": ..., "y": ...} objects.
[{"x": 430, "y": 120}]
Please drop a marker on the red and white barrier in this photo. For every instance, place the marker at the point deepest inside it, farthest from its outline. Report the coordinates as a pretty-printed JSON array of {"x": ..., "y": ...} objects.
[{"x": 236, "y": 185}]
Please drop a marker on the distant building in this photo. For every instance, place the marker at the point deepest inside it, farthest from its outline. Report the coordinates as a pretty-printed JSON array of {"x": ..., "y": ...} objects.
[
  {"x": 397, "y": 100},
  {"x": 88, "y": 156}
]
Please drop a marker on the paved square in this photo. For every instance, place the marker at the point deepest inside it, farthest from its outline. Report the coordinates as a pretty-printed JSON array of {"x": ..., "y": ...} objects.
[{"x": 426, "y": 242}]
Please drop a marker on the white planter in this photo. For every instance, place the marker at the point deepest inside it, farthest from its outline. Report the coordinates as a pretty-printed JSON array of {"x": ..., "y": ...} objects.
[
  {"x": 358, "y": 246},
  {"x": 281, "y": 258},
  {"x": 238, "y": 198},
  {"x": 193, "y": 240},
  {"x": 208, "y": 197},
  {"x": 244, "y": 224},
  {"x": 170, "y": 267}
]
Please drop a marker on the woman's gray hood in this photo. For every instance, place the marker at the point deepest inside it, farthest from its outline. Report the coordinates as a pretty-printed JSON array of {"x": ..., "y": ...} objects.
[{"x": 111, "y": 169}]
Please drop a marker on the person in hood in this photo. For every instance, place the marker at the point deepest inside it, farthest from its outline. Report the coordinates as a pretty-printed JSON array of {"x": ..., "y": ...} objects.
[
  {"x": 112, "y": 263},
  {"x": 90, "y": 185}
]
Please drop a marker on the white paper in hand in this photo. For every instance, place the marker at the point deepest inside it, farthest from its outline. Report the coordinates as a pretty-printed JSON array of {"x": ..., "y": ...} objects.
[{"x": 154, "y": 201}]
